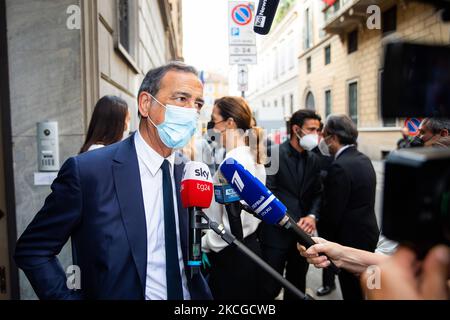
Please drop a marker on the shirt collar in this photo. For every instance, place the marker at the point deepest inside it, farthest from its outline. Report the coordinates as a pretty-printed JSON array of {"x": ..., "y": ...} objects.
[
  {"x": 342, "y": 150},
  {"x": 151, "y": 159}
]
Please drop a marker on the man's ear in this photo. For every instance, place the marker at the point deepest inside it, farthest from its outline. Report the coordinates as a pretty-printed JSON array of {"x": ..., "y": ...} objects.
[{"x": 144, "y": 104}]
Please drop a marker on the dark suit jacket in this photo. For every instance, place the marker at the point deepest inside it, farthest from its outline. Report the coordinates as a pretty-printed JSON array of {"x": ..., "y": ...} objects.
[
  {"x": 97, "y": 201},
  {"x": 349, "y": 216},
  {"x": 300, "y": 197}
]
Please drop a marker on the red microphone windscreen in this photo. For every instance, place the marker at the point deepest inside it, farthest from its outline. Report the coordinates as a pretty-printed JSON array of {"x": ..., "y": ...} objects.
[{"x": 196, "y": 186}]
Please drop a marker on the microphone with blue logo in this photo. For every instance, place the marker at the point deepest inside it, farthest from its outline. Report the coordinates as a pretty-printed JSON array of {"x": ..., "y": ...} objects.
[
  {"x": 262, "y": 201},
  {"x": 196, "y": 194}
]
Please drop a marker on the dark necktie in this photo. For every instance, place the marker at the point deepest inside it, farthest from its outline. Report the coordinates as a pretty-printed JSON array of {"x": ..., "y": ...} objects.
[{"x": 173, "y": 276}]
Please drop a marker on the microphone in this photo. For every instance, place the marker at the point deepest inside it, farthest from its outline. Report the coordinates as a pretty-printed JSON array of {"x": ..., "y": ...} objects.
[
  {"x": 196, "y": 194},
  {"x": 225, "y": 194},
  {"x": 265, "y": 15},
  {"x": 261, "y": 200}
]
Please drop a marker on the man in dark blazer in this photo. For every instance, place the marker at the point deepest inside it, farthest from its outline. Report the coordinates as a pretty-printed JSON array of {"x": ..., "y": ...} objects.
[
  {"x": 121, "y": 207},
  {"x": 297, "y": 185},
  {"x": 348, "y": 216},
  {"x": 328, "y": 275}
]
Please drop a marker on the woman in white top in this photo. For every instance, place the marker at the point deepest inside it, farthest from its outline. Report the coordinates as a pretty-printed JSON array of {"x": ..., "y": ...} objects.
[
  {"x": 233, "y": 275},
  {"x": 110, "y": 123}
]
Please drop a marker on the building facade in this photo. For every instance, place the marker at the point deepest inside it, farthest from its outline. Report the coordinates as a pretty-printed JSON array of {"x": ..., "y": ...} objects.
[
  {"x": 273, "y": 82},
  {"x": 58, "y": 57},
  {"x": 215, "y": 87},
  {"x": 341, "y": 72}
]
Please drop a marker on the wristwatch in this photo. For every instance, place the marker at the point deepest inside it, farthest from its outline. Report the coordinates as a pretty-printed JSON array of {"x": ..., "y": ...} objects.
[{"x": 312, "y": 216}]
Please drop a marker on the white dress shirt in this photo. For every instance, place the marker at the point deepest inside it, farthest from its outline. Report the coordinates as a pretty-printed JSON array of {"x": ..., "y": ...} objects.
[
  {"x": 342, "y": 150},
  {"x": 217, "y": 211},
  {"x": 152, "y": 189},
  {"x": 95, "y": 147}
]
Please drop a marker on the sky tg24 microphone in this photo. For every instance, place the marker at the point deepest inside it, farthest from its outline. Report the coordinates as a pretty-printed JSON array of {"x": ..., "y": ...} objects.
[{"x": 196, "y": 194}]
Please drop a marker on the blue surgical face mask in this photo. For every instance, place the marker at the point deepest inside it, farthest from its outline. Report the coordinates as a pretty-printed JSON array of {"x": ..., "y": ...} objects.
[{"x": 178, "y": 127}]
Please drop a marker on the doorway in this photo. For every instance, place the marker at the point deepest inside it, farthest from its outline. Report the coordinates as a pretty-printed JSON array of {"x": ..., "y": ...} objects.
[{"x": 9, "y": 284}]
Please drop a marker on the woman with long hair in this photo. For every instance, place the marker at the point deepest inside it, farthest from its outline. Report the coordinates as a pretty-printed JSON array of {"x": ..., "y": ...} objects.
[
  {"x": 233, "y": 275},
  {"x": 110, "y": 123}
]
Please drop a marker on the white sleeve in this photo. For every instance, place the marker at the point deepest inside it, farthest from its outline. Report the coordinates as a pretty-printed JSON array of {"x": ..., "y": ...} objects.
[
  {"x": 210, "y": 240},
  {"x": 386, "y": 246}
]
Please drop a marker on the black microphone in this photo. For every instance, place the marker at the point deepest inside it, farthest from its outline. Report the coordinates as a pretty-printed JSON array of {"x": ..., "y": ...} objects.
[{"x": 265, "y": 15}]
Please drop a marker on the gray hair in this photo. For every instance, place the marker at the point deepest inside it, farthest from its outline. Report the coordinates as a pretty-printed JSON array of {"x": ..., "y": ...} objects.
[
  {"x": 436, "y": 126},
  {"x": 342, "y": 127},
  {"x": 152, "y": 80}
]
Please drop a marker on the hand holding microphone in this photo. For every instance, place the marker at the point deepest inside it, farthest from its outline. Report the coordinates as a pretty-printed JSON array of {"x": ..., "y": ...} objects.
[
  {"x": 196, "y": 193},
  {"x": 262, "y": 202}
]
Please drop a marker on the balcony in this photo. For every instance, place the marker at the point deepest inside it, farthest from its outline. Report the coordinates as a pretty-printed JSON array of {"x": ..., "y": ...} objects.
[{"x": 346, "y": 15}]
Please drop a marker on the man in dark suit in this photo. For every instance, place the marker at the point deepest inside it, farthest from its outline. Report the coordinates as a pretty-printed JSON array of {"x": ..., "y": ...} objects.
[
  {"x": 328, "y": 276},
  {"x": 348, "y": 216},
  {"x": 121, "y": 207},
  {"x": 297, "y": 185}
]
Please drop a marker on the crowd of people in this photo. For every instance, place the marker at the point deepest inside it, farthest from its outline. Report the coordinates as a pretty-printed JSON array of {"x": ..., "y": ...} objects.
[{"x": 119, "y": 202}]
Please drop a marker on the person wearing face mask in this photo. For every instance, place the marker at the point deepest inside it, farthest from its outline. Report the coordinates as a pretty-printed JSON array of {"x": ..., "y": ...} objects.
[
  {"x": 348, "y": 215},
  {"x": 110, "y": 123},
  {"x": 232, "y": 275},
  {"x": 297, "y": 185},
  {"x": 328, "y": 276},
  {"x": 435, "y": 132},
  {"x": 121, "y": 207}
]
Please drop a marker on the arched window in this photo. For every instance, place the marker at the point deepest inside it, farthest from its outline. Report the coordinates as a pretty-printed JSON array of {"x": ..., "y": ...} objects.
[{"x": 310, "y": 104}]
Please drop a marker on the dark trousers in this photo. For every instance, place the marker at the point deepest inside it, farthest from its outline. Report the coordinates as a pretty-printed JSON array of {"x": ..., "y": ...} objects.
[
  {"x": 328, "y": 278},
  {"x": 233, "y": 276},
  {"x": 296, "y": 269},
  {"x": 350, "y": 286}
]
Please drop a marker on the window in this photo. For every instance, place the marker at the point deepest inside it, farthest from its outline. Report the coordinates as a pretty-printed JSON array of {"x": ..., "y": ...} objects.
[
  {"x": 291, "y": 103},
  {"x": 291, "y": 52},
  {"x": 352, "y": 41},
  {"x": 282, "y": 57},
  {"x": 124, "y": 24},
  {"x": 389, "y": 21},
  {"x": 275, "y": 63},
  {"x": 126, "y": 35},
  {"x": 275, "y": 103},
  {"x": 353, "y": 101},
  {"x": 308, "y": 65},
  {"x": 387, "y": 122},
  {"x": 310, "y": 104},
  {"x": 307, "y": 30},
  {"x": 327, "y": 103},
  {"x": 337, "y": 5},
  {"x": 328, "y": 54}
]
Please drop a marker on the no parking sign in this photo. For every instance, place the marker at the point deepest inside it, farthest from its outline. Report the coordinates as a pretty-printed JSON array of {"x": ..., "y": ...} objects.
[
  {"x": 413, "y": 125},
  {"x": 242, "y": 39}
]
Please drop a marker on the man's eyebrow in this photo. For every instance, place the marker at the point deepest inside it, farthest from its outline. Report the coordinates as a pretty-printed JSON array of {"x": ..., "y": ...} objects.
[
  {"x": 182, "y": 93},
  {"x": 187, "y": 95}
]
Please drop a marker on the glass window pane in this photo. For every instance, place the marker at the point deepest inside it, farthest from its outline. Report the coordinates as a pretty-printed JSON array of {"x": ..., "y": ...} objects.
[{"x": 353, "y": 101}]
